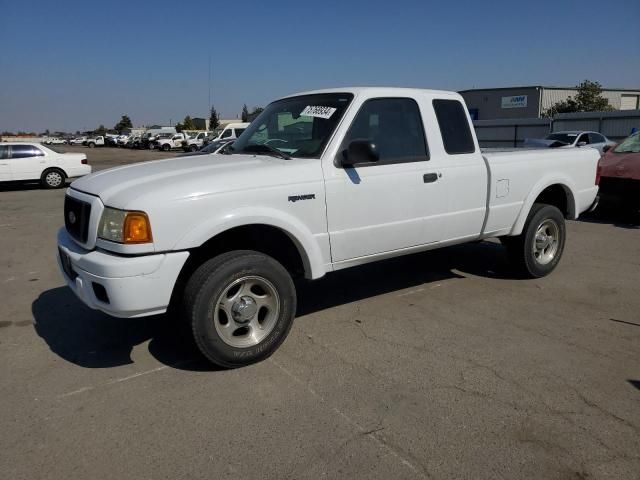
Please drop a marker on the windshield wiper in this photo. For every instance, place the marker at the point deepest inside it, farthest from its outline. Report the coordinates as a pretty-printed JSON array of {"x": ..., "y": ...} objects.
[{"x": 264, "y": 148}]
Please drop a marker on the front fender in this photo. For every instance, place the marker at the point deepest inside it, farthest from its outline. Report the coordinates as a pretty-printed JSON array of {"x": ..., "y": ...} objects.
[
  {"x": 564, "y": 181},
  {"x": 302, "y": 237}
]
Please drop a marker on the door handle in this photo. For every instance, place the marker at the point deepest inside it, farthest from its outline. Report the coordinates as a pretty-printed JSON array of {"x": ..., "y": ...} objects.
[{"x": 429, "y": 177}]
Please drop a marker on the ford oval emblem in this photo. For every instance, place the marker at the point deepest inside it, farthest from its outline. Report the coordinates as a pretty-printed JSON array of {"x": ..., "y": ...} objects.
[{"x": 72, "y": 218}]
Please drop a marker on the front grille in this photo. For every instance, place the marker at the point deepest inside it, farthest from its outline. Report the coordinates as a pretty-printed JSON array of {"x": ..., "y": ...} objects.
[{"x": 76, "y": 218}]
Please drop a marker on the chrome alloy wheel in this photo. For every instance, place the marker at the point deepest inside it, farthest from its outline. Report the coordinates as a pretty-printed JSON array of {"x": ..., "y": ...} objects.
[
  {"x": 546, "y": 242},
  {"x": 246, "y": 311}
]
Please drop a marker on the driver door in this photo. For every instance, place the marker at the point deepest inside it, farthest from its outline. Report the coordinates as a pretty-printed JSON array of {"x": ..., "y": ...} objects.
[{"x": 390, "y": 204}]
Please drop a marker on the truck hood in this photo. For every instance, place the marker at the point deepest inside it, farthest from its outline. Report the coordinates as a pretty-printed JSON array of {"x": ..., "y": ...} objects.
[{"x": 138, "y": 185}]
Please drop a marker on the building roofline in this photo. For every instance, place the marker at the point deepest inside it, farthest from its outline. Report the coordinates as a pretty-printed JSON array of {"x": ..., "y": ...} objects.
[{"x": 545, "y": 87}]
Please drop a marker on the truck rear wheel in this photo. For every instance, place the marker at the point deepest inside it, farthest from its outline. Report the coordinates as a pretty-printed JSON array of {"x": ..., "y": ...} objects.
[
  {"x": 537, "y": 251},
  {"x": 240, "y": 306},
  {"x": 91, "y": 145},
  {"x": 166, "y": 147},
  {"x": 194, "y": 148}
]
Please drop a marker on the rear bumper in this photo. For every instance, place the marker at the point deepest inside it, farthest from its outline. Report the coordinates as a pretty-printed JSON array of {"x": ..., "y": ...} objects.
[
  {"x": 79, "y": 171},
  {"x": 120, "y": 286}
]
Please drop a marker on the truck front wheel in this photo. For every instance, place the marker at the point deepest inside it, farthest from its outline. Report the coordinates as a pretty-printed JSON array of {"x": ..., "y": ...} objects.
[
  {"x": 537, "y": 251},
  {"x": 240, "y": 306},
  {"x": 166, "y": 147}
]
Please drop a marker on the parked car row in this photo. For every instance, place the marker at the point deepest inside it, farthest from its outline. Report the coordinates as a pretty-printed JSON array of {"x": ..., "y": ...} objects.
[{"x": 161, "y": 138}]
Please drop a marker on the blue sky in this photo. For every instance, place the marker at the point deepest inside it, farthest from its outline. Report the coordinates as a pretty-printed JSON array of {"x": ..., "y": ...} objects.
[{"x": 74, "y": 65}]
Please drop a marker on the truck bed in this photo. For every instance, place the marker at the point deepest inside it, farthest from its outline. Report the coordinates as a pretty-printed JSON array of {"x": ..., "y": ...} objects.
[{"x": 514, "y": 188}]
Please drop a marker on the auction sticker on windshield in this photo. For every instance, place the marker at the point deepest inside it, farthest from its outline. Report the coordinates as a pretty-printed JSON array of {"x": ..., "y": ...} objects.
[{"x": 318, "y": 111}]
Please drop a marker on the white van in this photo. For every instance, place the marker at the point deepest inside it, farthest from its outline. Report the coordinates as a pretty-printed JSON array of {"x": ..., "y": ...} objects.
[{"x": 231, "y": 130}]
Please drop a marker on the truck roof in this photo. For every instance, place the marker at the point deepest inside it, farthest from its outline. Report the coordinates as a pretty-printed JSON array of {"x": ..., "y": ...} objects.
[{"x": 379, "y": 91}]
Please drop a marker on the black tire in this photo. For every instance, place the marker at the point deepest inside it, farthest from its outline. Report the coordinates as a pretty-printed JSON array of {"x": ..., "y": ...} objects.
[
  {"x": 91, "y": 145},
  {"x": 193, "y": 148},
  {"x": 166, "y": 147},
  {"x": 539, "y": 262},
  {"x": 53, "y": 178},
  {"x": 202, "y": 306}
]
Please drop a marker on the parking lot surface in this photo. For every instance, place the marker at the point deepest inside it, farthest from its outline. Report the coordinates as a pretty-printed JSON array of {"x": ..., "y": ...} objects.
[{"x": 437, "y": 365}]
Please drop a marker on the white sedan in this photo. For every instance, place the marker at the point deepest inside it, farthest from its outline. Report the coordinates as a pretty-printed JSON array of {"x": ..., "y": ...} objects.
[
  {"x": 33, "y": 161},
  {"x": 581, "y": 139}
]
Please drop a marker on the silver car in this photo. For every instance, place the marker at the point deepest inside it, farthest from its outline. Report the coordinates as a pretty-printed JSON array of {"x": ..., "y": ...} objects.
[{"x": 580, "y": 138}]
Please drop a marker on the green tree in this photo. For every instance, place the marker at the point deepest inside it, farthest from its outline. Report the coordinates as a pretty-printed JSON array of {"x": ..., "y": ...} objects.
[
  {"x": 179, "y": 127},
  {"x": 256, "y": 111},
  {"x": 214, "y": 119},
  {"x": 245, "y": 113},
  {"x": 588, "y": 99},
  {"x": 187, "y": 123},
  {"x": 125, "y": 122},
  {"x": 101, "y": 130}
]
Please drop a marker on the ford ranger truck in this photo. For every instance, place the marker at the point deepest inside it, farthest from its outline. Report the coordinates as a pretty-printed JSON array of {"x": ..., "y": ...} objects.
[{"x": 319, "y": 181}]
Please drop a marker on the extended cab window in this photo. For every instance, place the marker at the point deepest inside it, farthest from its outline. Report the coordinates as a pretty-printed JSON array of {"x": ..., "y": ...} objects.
[
  {"x": 394, "y": 125},
  {"x": 454, "y": 127}
]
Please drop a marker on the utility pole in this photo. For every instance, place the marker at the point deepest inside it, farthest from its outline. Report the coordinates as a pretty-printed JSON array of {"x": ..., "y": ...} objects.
[{"x": 209, "y": 84}]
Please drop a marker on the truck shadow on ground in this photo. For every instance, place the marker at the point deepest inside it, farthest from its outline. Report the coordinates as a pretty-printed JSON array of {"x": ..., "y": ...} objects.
[
  {"x": 612, "y": 216},
  {"x": 91, "y": 339}
]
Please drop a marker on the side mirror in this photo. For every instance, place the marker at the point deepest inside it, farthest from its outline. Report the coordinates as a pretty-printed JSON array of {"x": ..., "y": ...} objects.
[
  {"x": 360, "y": 151},
  {"x": 606, "y": 148},
  {"x": 581, "y": 144}
]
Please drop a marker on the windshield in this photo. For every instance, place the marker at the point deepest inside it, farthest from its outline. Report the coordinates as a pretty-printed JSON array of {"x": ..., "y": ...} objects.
[
  {"x": 567, "y": 138},
  {"x": 297, "y": 126},
  {"x": 629, "y": 145}
]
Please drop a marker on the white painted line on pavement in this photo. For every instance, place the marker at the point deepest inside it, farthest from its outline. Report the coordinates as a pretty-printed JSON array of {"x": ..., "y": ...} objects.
[{"x": 122, "y": 379}]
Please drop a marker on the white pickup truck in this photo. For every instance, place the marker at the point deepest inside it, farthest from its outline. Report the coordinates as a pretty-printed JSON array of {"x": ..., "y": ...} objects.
[
  {"x": 93, "y": 142},
  {"x": 170, "y": 143},
  {"x": 320, "y": 181},
  {"x": 195, "y": 142}
]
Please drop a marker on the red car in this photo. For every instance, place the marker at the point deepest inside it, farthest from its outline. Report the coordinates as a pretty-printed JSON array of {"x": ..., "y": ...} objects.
[{"x": 620, "y": 172}]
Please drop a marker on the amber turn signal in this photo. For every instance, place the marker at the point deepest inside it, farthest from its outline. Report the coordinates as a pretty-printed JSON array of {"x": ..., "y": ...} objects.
[{"x": 137, "y": 228}]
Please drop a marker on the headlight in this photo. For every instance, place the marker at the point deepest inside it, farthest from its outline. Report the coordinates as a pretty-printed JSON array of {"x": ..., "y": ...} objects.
[{"x": 122, "y": 226}]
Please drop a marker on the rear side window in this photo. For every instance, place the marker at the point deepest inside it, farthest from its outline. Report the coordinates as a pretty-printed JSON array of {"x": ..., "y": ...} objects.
[
  {"x": 4, "y": 152},
  {"x": 25, "y": 151},
  {"x": 596, "y": 138},
  {"x": 395, "y": 126},
  {"x": 454, "y": 127}
]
